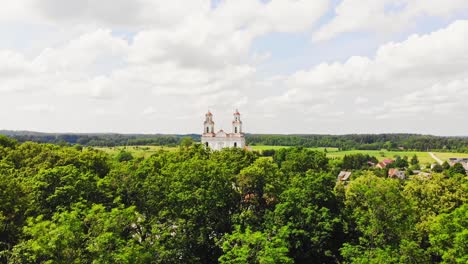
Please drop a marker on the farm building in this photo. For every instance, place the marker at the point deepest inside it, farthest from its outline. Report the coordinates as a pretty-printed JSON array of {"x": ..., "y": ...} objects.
[
  {"x": 344, "y": 175},
  {"x": 462, "y": 161},
  {"x": 395, "y": 173},
  {"x": 383, "y": 164}
]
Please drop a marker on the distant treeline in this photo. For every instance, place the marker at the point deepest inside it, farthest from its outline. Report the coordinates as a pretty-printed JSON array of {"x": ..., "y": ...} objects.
[
  {"x": 343, "y": 142},
  {"x": 365, "y": 141},
  {"x": 99, "y": 140}
]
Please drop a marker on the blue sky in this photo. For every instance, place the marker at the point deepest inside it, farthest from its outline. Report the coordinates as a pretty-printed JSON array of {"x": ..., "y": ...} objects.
[
  {"x": 294, "y": 51},
  {"x": 290, "y": 66}
]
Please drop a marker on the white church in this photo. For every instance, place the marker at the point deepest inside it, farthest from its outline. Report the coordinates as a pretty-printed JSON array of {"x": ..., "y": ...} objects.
[{"x": 221, "y": 139}]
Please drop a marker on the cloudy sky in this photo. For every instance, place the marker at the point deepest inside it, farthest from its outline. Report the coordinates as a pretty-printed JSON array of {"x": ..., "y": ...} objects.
[{"x": 289, "y": 66}]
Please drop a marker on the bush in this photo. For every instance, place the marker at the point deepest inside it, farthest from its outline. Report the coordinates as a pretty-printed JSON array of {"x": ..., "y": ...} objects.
[{"x": 124, "y": 156}]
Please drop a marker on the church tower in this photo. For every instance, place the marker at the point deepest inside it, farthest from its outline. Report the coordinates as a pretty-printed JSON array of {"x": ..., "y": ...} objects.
[
  {"x": 237, "y": 123},
  {"x": 209, "y": 124},
  {"x": 219, "y": 140}
]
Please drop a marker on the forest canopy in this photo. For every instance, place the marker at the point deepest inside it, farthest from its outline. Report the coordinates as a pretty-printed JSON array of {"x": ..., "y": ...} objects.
[{"x": 61, "y": 204}]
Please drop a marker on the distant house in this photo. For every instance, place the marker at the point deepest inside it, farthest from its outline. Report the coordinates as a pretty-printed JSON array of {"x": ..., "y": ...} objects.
[
  {"x": 344, "y": 175},
  {"x": 419, "y": 172},
  {"x": 462, "y": 161},
  {"x": 383, "y": 164},
  {"x": 395, "y": 173},
  {"x": 425, "y": 174}
]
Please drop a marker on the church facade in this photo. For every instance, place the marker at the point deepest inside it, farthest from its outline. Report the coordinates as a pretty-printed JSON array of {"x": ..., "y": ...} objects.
[{"x": 221, "y": 139}]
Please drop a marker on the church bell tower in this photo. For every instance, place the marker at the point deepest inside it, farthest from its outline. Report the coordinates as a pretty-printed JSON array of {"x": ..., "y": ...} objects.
[
  {"x": 237, "y": 123},
  {"x": 208, "y": 124}
]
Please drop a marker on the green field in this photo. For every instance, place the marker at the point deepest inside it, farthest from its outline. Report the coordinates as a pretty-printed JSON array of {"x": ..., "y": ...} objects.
[
  {"x": 424, "y": 157},
  {"x": 260, "y": 148},
  {"x": 137, "y": 151},
  {"x": 447, "y": 155}
]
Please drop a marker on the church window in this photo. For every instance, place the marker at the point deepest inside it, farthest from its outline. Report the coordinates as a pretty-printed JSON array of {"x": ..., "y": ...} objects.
[
  {"x": 235, "y": 130},
  {"x": 206, "y": 144},
  {"x": 207, "y": 130},
  {"x": 235, "y": 144}
]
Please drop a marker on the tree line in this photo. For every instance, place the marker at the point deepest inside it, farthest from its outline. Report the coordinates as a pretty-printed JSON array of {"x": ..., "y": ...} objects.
[
  {"x": 99, "y": 139},
  {"x": 64, "y": 204},
  {"x": 343, "y": 142},
  {"x": 366, "y": 141}
]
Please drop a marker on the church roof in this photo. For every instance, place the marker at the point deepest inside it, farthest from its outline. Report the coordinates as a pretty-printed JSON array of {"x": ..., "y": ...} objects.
[{"x": 221, "y": 133}]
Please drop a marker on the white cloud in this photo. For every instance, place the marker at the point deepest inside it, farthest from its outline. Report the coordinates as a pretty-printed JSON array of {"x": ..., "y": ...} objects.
[
  {"x": 82, "y": 53},
  {"x": 123, "y": 14},
  {"x": 136, "y": 15},
  {"x": 361, "y": 100},
  {"x": 160, "y": 62},
  {"x": 149, "y": 111},
  {"x": 421, "y": 78},
  {"x": 222, "y": 36},
  {"x": 12, "y": 64},
  {"x": 37, "y": 108},
  {"x": 383, "y": 16},
  {"x": 17, "y": 11},
  {"x": 177, "y": 57}
]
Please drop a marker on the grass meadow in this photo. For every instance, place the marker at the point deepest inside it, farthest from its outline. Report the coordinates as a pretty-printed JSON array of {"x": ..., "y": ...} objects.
[
  {"x": 447, "y": 155},
  {"x": 137, "y": 151},
  {"x": 424, "y": 157}
]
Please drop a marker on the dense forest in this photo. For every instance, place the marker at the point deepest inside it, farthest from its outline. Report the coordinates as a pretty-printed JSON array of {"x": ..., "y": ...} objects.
[
  {"x": 98, "y": 140},
  {"x": 344, "y": 142},
  {"x": 366, "y": 141},
  {"x": 68, "y": 204}
]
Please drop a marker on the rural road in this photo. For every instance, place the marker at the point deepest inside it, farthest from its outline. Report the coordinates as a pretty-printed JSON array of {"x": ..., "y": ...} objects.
[{"x": 436, "y": 158}]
